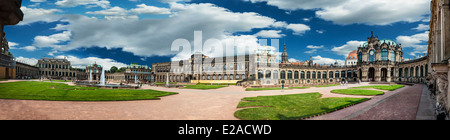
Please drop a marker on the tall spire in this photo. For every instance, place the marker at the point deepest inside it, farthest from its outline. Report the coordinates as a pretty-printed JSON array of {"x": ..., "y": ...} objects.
[{"x": 284, "y": 55}]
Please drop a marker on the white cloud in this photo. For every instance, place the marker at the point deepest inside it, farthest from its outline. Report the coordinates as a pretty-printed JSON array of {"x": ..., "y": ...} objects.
[
  {"x": 412, "y": 41},
  {"x": 379, "y": 12},
  {"x": 110, "y": 12},
  {"x": 298, "y": 29},
  {"x": 150, "y": 37},
  {"x": 119, "y": 13},
  {"x": 300, "y": 4},
  {"x": 83, "y": 62},
  {"x": 115, "y": 13},
  {"x": 38, "y": 14},
  {"x": 347, "y": 48},
  {"x": 152, "y": 10},
  {"x": 12, "y": 44},
  {"x": 373, "y": 12},
  {"x": 279, "y": 24},
  {"x": 422, "y": 27},
  {"x": 171, "y": 1},
  {"x": 270, "y": 34},
  {"x": 307, "y": 19},
  {"x": 38, "y": 0},
  {"x": 327, "y": 61},
  {"x": 417, "y": 41},
  {"x": 88, "y": 3},
  {"x": 311, "y": 51},
  {"x": 29, "y": 48},
  {"x": 52, "y": 40},
  {"x": 313, "y": 48},
  {"x": 29, "y": 61},
  {"x": 61, "y": 27},
  {"x": 293, "y": 60},
  {"x": 320, "y": 31}
]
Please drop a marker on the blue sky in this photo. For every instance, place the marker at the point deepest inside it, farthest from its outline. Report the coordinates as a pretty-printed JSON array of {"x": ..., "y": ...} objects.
[{"x": 120, "y": 32}]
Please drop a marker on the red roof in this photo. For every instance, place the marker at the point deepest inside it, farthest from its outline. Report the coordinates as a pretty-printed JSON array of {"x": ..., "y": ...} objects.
[{"x": 352, "y": 55}]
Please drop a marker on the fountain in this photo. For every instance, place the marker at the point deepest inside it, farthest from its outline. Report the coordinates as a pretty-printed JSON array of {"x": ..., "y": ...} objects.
[
  {"x": 90, "y": 77},
  {"x": 102, "y": 78},
  {"x": 101, "y": 83}
]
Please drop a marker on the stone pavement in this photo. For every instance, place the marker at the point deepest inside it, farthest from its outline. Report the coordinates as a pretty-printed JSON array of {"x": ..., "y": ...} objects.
[
  {"x": 408, "y": 103},
  {"x": 402, "y": 106}
]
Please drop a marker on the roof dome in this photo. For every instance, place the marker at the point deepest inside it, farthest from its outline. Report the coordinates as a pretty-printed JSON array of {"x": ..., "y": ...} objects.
[
  {"x": 387, "y": 41},
  {"x": 352, "y": 55}
]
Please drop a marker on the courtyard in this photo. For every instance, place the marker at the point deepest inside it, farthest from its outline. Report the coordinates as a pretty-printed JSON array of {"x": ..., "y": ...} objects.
[{"x": 212, "y": 104}]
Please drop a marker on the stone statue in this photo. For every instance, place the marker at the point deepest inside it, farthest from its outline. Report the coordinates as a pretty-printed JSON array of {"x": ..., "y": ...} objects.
[{"x": 442, "y": 105}]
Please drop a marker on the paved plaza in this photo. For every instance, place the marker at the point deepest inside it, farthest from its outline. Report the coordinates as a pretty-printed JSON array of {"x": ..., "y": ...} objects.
[{"x": 217, "y": 104}]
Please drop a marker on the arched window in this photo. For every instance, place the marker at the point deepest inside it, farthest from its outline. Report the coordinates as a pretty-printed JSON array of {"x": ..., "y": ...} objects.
[
  {"x": 336, "y": 74},
  {"x": 324, "y": 74},
  {"x": 275, "y": 74},
  {"x": 260, "y": 74},
  {"x": 302, "y": 74},
  {"x": 406, "y": 72},
  {"x": 360, "y": 57},
  {"x": 319, "y": 75},
  {"x": 283, "y": 74},
  {"x": 411, "y": 72},
  {"x": 330, "y": 75},
  {"x": 417, "y": 71},
  {"x": 268, "y": 74},
  {"x": 392, "y": 56},
  {"x": 308, "y": 75},
  {"x": 421, "y": 71},
  {"x": 289, "y": 74},
  {"x": 314, "y": 75},
  {"x": 384, "y": 55},
  {"x": 371, "y": 55},
  {"x": 296, "y": 75}
]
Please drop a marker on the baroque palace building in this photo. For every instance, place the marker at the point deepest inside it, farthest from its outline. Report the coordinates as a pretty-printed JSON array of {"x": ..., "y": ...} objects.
[
  {"x": 54, "y": 68},
  {"x": 374, "y": 61}
]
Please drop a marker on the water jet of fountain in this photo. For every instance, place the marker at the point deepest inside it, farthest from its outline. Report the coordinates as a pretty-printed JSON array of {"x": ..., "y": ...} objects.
[
  {"x": 90, "y": 77},
  {"x": 102, "y": 78}
]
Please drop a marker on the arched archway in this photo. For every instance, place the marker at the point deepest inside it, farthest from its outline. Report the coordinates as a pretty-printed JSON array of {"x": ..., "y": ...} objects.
[
  {"x": 383, "y": 74},
  {"x": 371, "y": 74},
  {"x": 360, "y": 74}
]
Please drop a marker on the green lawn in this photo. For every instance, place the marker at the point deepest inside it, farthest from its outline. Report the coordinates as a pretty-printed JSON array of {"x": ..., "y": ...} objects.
[
  {"x": 358, "y": 92},
  {"x": 31, "y": 90},
  {"x": 291, "y": 107},
  {"x": 258, "y": 89},
  {"x": 383, "y": 87},
  {"x": 59, "y": 80},
  {"x": 204, "y": 87}
]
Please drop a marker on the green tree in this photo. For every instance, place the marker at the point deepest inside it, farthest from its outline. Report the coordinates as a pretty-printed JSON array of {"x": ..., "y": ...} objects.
[
  {"x": 122, "y": 69},
  {"x": 113, "y": 69}
]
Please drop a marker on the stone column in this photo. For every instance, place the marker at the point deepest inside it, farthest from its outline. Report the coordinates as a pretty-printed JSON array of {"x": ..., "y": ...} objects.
[
  {"x": 388, "y": 74},
  {"x": 377, "y": 74}
]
